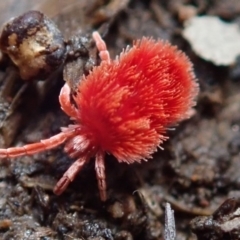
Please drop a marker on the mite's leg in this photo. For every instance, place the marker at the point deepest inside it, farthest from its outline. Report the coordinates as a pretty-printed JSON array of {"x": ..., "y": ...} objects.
[
  {"x": 64, "y": 99},
  {"x": 33, "y": 148},
  {"x": 69, "y": 175},
  {"x": 101, "y": 177},
  {"x": 101, "y": 46}
]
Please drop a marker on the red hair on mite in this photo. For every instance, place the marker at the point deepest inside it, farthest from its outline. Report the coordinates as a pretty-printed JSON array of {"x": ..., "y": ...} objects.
[{"x": 123, "y": 107}]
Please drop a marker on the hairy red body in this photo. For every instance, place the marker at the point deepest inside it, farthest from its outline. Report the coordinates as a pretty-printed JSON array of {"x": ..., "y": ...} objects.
[
  {"x": 123, "y": 107},
  {"x": 126, "y": 105}
]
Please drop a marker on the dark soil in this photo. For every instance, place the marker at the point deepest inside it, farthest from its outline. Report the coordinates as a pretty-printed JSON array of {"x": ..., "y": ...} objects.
[{"x": 196, "y": 172}]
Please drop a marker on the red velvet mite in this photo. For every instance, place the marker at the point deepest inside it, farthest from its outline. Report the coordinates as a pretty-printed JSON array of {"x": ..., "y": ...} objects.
[{"x": 123, "y": 107}]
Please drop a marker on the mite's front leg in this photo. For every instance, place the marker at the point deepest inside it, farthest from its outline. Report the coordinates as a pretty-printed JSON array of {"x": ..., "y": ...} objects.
[
  {"x": 65, "y": 102},
  {"x": 70, "y": 175}
]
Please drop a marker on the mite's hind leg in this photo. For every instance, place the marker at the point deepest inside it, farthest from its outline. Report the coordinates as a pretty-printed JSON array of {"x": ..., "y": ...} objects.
[
  {"x": 101, "y": 177},
  {"x": 101, "y": 46}
]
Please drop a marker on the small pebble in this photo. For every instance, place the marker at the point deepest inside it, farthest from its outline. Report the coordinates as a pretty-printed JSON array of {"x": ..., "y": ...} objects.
[{"x": 213, "y": 39}]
